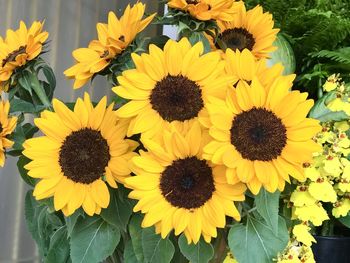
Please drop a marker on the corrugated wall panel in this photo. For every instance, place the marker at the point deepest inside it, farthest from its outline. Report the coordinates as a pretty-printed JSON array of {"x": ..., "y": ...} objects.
[{"x": 71, "y": 24}]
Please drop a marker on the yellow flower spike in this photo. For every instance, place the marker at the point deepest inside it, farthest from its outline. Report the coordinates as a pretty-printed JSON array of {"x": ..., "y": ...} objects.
[
  {"x": 7, "y": 126},
  {"x": 113, "y": 38},
  {"x": 322, "y": 190},
  {"x": 252, "y": 30},
  {"x": 175, "y": 93},
  {"x": 18, "y": 48},
  {"x": 207, "y": 9},
  {"x": 179, "y": 189},
  {"x": 341, "y": 208},
  {"x": 333, "y": 166},
  {"x": 261, "y": 136},
  {"x": 78, "y": 150},
  {"x": 331, "y": 83},
  {"x": 315, "y": 213},
  {"x": 302, "y": 234},
  {"x": 301, "y": 197},
  {"x": 342, "y": 126}
]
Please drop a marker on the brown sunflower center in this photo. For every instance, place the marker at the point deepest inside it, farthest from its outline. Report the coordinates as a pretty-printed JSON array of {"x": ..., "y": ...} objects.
[
  {"x": 192, "y": 2},
  {"x": 105, "y": 54},
  {"x": 238, "y": 38},
  {"x": 177, "y": 98},
  {"x": 84, "y": 156},
  {"x": 12, "y": 56},
  {"x": 187, "y": 183},
  {"x": 258, "y": 134}
]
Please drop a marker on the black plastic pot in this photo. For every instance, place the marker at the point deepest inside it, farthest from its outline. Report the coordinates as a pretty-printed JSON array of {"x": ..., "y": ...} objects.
[{"x": 332, "y": 249}]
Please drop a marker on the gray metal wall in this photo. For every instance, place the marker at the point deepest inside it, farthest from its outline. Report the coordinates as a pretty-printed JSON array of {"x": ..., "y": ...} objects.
[{"x": 71, "y": 24}]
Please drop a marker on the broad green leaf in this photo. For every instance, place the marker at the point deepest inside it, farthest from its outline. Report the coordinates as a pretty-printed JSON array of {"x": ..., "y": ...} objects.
[
  {"x": 59, "y": 247},
  {"x": 267, "y": 205},
  {"x": 129, "y": 253},
  {"x": 199, "y": 37},
  {"x": 119, "y": 210},
  {"x": 256, "y": 242},
  {"x": 320, "y": 111},
  {"x": 93, "y": 240},
  {"x": 201, "y": 252},
  {"x": 18, "y": 105},
  {"x": 40, "y": 222},
  {"x": 136, "y": 236},
  {"x": 72, "y": 220},
  {"x": 22, "y": 161},
  {"x": 345, "y": 220},
  {"x": 156, "y": 249}
]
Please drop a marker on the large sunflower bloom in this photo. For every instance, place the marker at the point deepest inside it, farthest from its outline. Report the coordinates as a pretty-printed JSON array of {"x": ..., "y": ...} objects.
[
  {"x": 243, "y": 67},
  {"x": 262, "y": 136},
  {"x": 177, "y": 189},
  {"x": 207, "y": 9},
  {"x": 79, "y": 149},
  {"x": 250, "y": 29},
  {"x": 170, "y": 86},
  {"x": 7, "y": 125},
  {"x": 18, "y": 48},
  {"x": 113, "y": 38}
]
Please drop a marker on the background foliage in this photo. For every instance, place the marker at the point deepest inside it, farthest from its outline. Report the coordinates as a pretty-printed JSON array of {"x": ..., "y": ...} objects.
[{"x": 319, "y": 33}]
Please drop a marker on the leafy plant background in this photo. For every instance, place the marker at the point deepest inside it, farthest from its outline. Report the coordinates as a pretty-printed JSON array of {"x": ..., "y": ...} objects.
[{"x": 319, "y": 33}]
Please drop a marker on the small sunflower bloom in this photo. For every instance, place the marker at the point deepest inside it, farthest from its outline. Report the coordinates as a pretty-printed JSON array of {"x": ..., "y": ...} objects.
[
  {"x": 177, "y": 189},
  {"x": 7, "y": 126},
  {"x": 252, "y": 30},
  {"x": 19, "y": 47},
  {"x": 207, "y": 9},
  {"x": 259, "y": 140},
  {"x": 80, "y": 151},
  {"x": 113, "y": 38}
]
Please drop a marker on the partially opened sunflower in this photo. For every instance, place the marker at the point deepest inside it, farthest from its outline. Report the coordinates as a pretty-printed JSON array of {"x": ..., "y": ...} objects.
[
  {"x": 177, "y": 189},
  {"x": 113, "y": 38},
  {"x": 7, "y": 126},
  {"x": 81, "y": 150},
  {"x": 262, "y": 136},
  {"x": 252, "y": 30},
  {"x": 207, "y": 9},
  {"x": 18, "y": 48}
]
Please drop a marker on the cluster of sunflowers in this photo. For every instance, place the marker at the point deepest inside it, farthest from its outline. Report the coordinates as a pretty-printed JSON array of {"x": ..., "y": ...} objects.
[{"x": 197, "y": 127}]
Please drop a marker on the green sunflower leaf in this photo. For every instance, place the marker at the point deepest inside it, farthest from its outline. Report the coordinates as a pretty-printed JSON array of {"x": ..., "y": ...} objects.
[
  {"x": 22, "y": 161},
  {"x": 59, "y": 246},
  {"x": 136, "y": 236},
  {"x": 129, "y": 253},
  {"x": 320, "y": 111},
  {"x": 119, "y": 210},
  {"x": 201, "y": 252},
  {"x": 156, "y": 249},
  {"x": 256, "y": 241},
  {"x": 267, "y": 205},
  {"x": 93, "y": 240}
]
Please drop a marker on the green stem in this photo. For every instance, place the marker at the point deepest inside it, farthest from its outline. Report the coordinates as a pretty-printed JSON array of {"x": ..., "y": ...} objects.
[{"x": 220, "y": 247}]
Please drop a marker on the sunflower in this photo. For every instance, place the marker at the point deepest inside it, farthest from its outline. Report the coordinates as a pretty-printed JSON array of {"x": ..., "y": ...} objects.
[
  {"x": 7, "y": 125},
  {"x": 18, "y": 48},
  {"x": 177, "y": 189},
  {"x": 250, "y": 29},
  {"x": 243, "y": 66},
  {"x": 113, "y": 39},
  {"x": 81, "y": 150},
  {"x": 170, "y": 86},
  {"x": 262, "y": 137},
  {"x": 207, "y": 9}
]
